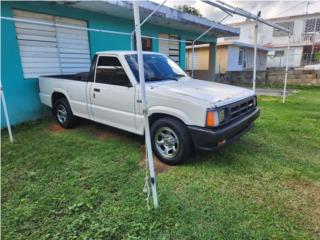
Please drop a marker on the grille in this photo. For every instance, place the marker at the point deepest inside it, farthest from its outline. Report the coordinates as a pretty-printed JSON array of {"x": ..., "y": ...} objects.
[
  {"x": 240, "y": 108},
  {"x": 236, "y": 110}
]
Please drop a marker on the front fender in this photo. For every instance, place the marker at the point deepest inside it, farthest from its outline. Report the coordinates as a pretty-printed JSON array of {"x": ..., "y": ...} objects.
[{"x": 172, "y": 112}]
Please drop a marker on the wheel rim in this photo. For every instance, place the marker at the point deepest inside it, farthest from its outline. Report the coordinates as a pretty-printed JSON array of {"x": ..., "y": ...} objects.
[
  {"x": 167, "y": 142},
  {"x": 62, "y": 114}
]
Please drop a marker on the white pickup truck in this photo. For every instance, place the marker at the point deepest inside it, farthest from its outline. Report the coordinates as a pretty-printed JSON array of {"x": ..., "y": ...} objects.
[{"x": 184, "y": 113}]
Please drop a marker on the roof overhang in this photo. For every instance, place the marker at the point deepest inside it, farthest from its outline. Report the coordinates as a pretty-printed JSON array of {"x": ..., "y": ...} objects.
[
  {"x": 233, "y": 43},
  {"x": 165, "y": 16},
  {"x": 243, "y": 45}
]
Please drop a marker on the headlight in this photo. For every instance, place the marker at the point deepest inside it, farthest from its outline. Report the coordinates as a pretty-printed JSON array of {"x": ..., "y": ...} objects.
[{"x": 215, "y": 117}]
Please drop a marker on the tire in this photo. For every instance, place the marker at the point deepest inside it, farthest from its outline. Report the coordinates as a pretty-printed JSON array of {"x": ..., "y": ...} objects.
[
  {"x": 171, "y": 141},
  {"x": 63, "y": 113}
]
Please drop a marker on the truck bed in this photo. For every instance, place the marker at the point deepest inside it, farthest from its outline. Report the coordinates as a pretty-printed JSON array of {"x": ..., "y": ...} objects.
[
  {"x": 82, "y": 76},
  {"x": 73, "y": 86}
]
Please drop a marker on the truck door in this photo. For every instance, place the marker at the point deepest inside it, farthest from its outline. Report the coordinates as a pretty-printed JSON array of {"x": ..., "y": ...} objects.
[{"x": 112, "y": 95}]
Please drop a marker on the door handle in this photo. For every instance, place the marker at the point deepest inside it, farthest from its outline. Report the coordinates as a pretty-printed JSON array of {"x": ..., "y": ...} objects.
[{"x": 96, "y": 89}]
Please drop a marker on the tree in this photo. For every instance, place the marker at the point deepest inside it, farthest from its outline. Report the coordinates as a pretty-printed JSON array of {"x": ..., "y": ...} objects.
[{"x": 188, "y": 9}]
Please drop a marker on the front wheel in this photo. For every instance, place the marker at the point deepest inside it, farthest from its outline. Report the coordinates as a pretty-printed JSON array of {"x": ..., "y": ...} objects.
[{"x": 171, "y": 141}]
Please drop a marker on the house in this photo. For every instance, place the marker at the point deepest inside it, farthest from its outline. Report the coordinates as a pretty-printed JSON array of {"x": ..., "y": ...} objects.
[
  {"x": 30, "y": 50},
  {"x": 305, "y": 41},
  {"x": 230, "y": 56}
]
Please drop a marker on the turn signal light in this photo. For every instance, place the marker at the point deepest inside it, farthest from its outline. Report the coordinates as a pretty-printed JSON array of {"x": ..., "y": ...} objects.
[{"x": 212, "y": 119}]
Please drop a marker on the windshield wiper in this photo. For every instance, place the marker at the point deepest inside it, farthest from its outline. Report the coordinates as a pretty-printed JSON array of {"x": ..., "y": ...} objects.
[
  {"x": 164, "y": 78},
  {"x": 180, "y": 75},
  {"x": 154, "y": 79},
  {"x": 176, "y": 76}
]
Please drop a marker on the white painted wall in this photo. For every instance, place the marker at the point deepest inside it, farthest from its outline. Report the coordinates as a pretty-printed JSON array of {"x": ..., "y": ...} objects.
[
  {"x": 261, "y": 59},
  {"x": 295, "y": 54},
  {"x": 233, "y": 57},
  {"x": 265, "y": 33}
]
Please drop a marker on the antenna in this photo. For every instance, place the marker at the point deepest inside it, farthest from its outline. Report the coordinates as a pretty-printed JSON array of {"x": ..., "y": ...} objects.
[
  {"x": 239, "y": 11},
  {"x": 307, "y": 7}
]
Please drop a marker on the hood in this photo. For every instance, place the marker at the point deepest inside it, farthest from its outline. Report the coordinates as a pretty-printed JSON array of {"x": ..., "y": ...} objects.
[{"x": 216, "y": 94}]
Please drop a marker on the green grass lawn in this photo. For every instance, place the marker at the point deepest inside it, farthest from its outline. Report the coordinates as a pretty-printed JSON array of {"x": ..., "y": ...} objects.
[{"x": 86, "y": 183}]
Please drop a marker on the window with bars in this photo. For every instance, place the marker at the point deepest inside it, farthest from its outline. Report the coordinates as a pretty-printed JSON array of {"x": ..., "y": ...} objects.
[
  {"x": 312, "y": 25},
  {"x": 51, "y": 50},
  {"x": 279, "y": 53},
  {"x": 170, "y": 48}
]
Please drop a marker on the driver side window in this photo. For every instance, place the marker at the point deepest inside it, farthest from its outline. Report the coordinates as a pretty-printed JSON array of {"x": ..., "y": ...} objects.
[{"x": 110, "y": 71}]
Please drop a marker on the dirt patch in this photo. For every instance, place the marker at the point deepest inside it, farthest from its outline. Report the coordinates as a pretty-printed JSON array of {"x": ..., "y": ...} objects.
[
  {"x": 104, "y": 134},
  {"x": 159, "y": 167},
  {"x": 56, "y": 128}
]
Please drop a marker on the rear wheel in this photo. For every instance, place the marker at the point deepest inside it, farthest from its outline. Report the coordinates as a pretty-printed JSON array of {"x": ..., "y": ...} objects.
[
  {"x": 171, "y": 141},
  {"x": 63, "y": 113}
]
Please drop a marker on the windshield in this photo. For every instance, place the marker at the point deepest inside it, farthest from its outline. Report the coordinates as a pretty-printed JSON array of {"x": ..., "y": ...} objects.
[{"x": 156, "y": 67}]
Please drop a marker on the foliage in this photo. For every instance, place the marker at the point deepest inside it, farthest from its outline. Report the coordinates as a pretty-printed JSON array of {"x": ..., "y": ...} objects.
[
  {"x": 75, "y": 184},
  {"x": 189, "y": 9},
  {"x": 316, "y": 56}
]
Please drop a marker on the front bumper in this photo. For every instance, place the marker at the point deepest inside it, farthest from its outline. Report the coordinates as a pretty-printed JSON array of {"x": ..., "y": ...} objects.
[{"x": 211, "y": 139}]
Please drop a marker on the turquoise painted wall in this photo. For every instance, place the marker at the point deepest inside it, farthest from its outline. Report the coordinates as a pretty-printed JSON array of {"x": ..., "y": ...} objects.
[{"x": 22, "y": 94}]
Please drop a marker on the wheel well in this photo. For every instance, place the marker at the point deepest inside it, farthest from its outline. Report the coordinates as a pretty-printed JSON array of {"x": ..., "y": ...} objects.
[
  {"x": 56, "y": 96},
  {"x": 155, "y": 116}
]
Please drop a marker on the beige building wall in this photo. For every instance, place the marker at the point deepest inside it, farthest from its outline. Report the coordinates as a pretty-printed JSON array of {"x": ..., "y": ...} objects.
[
  {"x": 204, "y": 58},
  {"x": 222, "y": 59},
  {"x": 201, "y": 58}
]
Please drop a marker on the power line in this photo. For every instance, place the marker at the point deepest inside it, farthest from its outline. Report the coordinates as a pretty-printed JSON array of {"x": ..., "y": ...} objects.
[{"x": 286, "y": 10}]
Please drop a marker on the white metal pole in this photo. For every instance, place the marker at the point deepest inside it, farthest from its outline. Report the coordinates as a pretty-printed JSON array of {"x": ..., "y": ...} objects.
[
  {"x": 144, "y": 102},
  {"x": 255, "y": 54},
  {"x": 153, "y": 12},
  {"x": 145, "y": 20},
  {"x": 201, "y": 35},
  {"x": 131, "y": 42},
  {"x": 239, "y": 11},
  {"x": 5, "y": 110},
  {"x": 312, "y": 48},
  {"x": 286, "y": 71},
  {"x": 192, "y": 60}
]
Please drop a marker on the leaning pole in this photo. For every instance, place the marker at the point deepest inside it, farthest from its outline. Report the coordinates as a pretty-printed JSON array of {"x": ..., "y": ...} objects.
[
  {"x": 5, "y": 110},
  {"x": 144, "y": 103}
]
